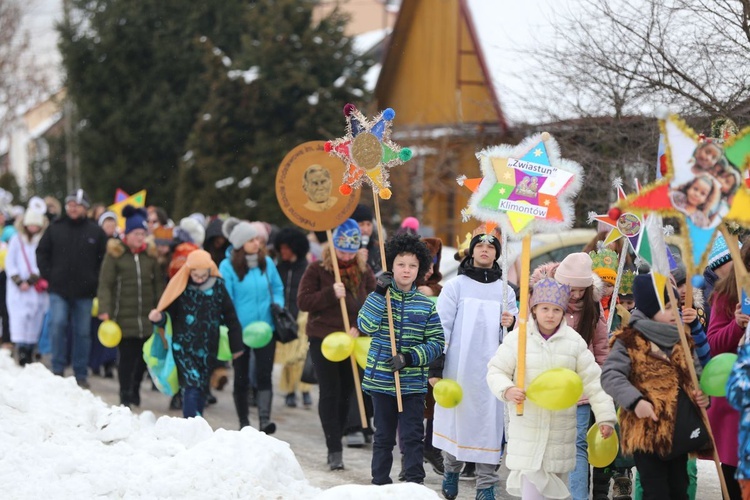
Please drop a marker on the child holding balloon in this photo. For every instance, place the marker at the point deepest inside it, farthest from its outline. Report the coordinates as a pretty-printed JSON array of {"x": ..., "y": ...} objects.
[
  {"x": 419, "y": 341},
  {"x": 198, "y": 303},
  {"x": 646, "y": 374},
  {"x": 541, "y": 443}
]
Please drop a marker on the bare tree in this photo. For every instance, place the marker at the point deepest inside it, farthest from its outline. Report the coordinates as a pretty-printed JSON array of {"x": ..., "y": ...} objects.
[
  {"x": 618, "y": 58},
  {"x": 21, "y": 80}
]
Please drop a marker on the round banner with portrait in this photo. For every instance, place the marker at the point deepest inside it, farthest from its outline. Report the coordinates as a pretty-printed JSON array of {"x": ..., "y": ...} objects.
[{"x": 307, "y": 188}]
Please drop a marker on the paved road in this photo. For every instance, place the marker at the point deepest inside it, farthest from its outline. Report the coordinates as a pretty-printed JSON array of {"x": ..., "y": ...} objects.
[{"x": 301, "y": 429}]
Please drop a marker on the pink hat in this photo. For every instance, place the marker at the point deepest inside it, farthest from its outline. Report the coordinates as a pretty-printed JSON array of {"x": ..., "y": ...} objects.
[
  {"x": 411, "y": 223},
  {"x": 575, "y": 270}
]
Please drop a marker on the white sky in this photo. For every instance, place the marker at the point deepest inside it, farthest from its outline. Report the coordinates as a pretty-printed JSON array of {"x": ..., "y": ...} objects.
[
  {"x": 503, "y": 26},
  {"x": 59, "y": 441}
]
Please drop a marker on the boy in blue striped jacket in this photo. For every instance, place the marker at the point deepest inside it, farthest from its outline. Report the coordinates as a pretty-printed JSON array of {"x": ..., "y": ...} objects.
[{"x": 419, "y": 341}]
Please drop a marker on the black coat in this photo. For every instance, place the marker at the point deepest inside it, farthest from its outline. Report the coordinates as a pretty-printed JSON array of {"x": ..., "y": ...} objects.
[
  {"x": 291, "y": 274},
  {"x": 69, "y": 256}
]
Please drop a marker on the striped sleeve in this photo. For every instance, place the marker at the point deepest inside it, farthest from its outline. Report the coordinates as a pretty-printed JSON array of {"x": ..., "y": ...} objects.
[{"x": 702, "y": 347}]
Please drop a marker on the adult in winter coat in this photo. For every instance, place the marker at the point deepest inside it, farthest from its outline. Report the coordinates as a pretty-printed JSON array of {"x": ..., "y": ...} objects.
[
  {"x": 130, "y": 284},
  {"x": 292, "y": 247},
  {"x": 253, "y": 284},
  {"x": 319, "y": 295},
  {"x": 541, "y": 443},
  {"x": 27, "y": 305},
  {"x": 69, "y": 256},
  {"x": 472, "y": 315},
  {"x": 725, "y": 329}
]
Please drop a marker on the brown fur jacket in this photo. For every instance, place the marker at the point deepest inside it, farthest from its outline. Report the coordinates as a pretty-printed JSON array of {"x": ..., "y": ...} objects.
[{"x": 658, "y": 377}]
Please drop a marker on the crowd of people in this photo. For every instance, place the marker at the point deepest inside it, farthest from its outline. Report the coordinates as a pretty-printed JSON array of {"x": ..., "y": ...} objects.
[{"x": 70, "y": 267}]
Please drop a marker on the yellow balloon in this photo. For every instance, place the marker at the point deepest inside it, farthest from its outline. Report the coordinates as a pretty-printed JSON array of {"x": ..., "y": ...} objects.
[
  {"x": 555, "y": 389},
  {"x": 95, "y": 307},
  {"x": 447, "y": 393},
  {"x": 337, "y": 346},
  {"x": 3, "y": 254},
  {"x": 602, "y": 452},
  {"x": 361, "y": 348},
  {"x": 109, "y": 333}
]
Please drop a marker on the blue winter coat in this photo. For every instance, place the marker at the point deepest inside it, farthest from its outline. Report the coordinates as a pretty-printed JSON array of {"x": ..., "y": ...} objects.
[
  {"x": 250, "y": 295},
  {"x": 418, "y": 332},
  {"x": 738, "y": 395}
]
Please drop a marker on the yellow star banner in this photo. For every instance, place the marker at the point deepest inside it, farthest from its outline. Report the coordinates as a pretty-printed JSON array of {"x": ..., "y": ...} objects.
[{"x": 138, "y": 200}]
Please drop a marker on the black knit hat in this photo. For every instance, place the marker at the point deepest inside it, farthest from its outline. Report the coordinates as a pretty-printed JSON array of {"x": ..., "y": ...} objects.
[
  {"x": 362, "y": 213},
  {"x": 485, "y": 238},
  {"x": 645, "y": 296}
]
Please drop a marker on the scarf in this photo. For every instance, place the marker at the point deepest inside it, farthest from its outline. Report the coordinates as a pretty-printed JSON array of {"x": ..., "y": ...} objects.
[
  {"x": 662, "y": 334},
  {"x": 480, "y": 274},
  {"x": 350, "y": 276},
  {"x": 251, "y": 260},
  {"x": 606, "y": 302}
]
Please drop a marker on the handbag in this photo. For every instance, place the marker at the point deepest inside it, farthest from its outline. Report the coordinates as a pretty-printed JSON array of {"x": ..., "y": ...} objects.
[
  {"x": 690, "y": 433},
  {"x": 285, "y": 323},
  {"x": 160, "y": 360},
  {"x": 40, "y": 285},
  {"x": 308, "y": 371}
]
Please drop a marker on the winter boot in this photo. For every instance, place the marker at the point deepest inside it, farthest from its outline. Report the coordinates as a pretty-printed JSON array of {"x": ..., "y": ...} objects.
[
  {"x": 490, "y": 493},
  {"x": 264, "y": 411},
  {"x": 600, "y": 487},
  {"x": 25, "y": 354},
  {"x": 306, "y": 399},
  {"x": 450, "y": 485},
  {"x": 622, "y": 489},
  {"x": 336, "y": 460},
  {"x": 240, "y": 404},
  {"x": 435, "y": 458},
  {"x": 402, "y": 472},
  {"x": 291, "y": 400}
]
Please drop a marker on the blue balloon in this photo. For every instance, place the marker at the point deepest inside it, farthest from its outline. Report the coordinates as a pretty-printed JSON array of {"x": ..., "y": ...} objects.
[{"x": 698, "y": 281}]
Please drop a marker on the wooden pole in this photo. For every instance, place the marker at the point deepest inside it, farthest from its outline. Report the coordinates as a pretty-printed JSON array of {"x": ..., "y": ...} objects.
[
  {"x": 740, "y": 272},
  {"x": 694, "y": 379},
  {"x": 396, "y": 377},
  {"x": 523, "y": 315},
  {"x": 345, "y": 315},
  {"x": 616, "y": 289}
]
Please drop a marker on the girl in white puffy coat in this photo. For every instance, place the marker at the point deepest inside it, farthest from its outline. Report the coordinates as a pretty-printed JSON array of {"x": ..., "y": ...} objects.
[{"x": 542, "y": 443}]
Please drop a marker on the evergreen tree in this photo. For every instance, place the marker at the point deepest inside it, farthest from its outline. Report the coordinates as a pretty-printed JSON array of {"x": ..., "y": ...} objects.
[
  {"x": 286, "y": 86},
  {"x": 134, "y": 73}
]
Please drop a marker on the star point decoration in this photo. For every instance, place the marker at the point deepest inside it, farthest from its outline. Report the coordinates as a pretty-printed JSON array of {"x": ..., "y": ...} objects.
[
  {"x": 525, "y": 188},
  {"x": 368, "y": 151}
]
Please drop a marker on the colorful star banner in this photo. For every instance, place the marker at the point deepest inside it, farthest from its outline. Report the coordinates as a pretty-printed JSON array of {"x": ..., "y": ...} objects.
[
  {"x": 138, "y": 200},
  {"x": 698, "y": 186},
  {"x": 368, "y": 151},
  {"x": 737, "y": 150},
  {"x": 526, "y": 188}
]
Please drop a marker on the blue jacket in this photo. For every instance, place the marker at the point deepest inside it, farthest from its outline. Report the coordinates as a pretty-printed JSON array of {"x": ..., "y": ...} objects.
[
  {"x": 250, "y": 295},
  {"x": 738, "y": 395},
  {"x": 418, "y": 331}
]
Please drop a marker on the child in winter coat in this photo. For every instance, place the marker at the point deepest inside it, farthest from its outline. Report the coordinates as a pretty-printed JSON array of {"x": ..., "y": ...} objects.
[
  {"x": 541, "y": 443},
  {"x": 644, "y": 373},
  {"x": 198, "y": 303},
  {"x": 738, "y": 395},
  {"x": 419, "y": 341}
]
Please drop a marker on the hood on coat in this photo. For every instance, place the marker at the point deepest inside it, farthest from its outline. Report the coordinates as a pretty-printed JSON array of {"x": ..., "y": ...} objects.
[
  {"x": 328, "y": 264},
  {"x": 117, "y": 248}
]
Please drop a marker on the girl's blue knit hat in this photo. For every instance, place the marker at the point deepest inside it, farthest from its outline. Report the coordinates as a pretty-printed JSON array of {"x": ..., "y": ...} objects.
[
  {"x": 719, "y": 253},
  {"x": 347, "y": 237}
]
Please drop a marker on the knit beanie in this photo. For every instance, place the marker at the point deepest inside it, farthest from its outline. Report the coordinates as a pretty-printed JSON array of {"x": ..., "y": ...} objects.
[
  {"x": 193, "y": 228},
  {"x": 33, "y": 218},
  {"x": 410, "y": 223},
  {"x": 135, "y": 218},
  {"x": 719, "y": 254},
  {"x": 575, "y": 271},
  {"x": 242, "y": 233},
  {"x": 80, "y": 197},
  {"x": 362, "y": 213},
  {"x": 550, "y": 291},
  {"x": 679, "y": 273},
  {"x": 106, "y": 215},
  {"x": 645, "y": 296},
  {"x": 347, "y": 237},
  {"x": 485, "y": 238},
  {"x": 604, "y": 264}
]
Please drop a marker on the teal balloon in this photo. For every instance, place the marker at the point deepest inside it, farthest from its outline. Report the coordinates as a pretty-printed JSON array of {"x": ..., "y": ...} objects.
[
  {"x": 257, "y": 334},
  {"x": 716, "y": 373}
]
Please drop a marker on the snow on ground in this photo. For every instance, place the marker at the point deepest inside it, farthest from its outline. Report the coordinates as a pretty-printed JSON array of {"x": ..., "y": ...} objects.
[{"x": 59, "y": 441}]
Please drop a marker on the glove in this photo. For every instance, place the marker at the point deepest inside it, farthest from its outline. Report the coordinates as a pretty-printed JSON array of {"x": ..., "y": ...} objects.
[
  {"x": 399, "y": 361},
  {"x": 384, "y": 282}
]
